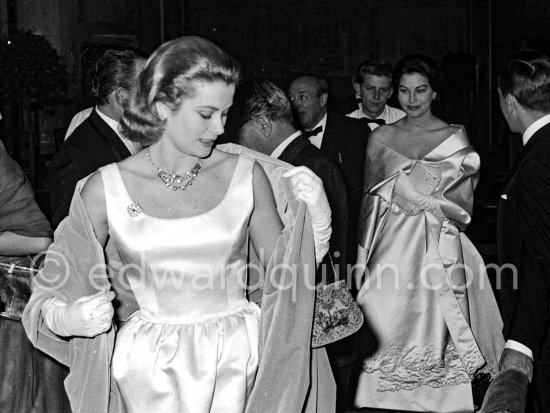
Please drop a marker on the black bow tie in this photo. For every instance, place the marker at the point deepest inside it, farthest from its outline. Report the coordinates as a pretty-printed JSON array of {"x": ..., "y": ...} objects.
[
  {"x": 314, "y": 132},
  {"x": 377, "y": 121}
]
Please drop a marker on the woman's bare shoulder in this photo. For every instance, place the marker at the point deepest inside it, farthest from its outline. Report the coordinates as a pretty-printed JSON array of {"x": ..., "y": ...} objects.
[
  {"x": 93, "y": 189},
  {"x": 385, "y": 133},
  {"x": 447, "y": 129},
  {"x": 222, "y": 162},
  {"x": 136, "y": 164},
  {"x": 93, "y": 197}
]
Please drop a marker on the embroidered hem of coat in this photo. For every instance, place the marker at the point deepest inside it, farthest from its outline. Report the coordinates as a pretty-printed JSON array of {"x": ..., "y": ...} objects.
[{"x": 409, "y": 368}]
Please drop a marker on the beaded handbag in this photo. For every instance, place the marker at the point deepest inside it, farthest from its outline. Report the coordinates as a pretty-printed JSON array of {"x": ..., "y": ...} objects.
[{"x": 336, "y": 316}]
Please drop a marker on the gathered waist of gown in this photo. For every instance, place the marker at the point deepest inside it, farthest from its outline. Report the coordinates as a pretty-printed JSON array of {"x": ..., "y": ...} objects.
[{"x": 243, "y": 306}]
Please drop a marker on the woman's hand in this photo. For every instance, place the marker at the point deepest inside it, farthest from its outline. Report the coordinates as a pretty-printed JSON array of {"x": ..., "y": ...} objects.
[
  {"x": 404, "y": 186},
  {"x": 87, "y": 316},
  {"x": 308, "y": 187}
]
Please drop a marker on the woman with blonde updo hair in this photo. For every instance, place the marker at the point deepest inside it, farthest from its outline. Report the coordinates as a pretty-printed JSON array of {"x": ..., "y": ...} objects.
[{"x": 179, "y": 216}]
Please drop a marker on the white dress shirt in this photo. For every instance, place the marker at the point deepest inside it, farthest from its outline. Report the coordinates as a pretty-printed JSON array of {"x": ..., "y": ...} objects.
[
  {"x": 535, "y": 126},
  {"x": 282, "y": 146},
  {"x": 389, "y": 114}
]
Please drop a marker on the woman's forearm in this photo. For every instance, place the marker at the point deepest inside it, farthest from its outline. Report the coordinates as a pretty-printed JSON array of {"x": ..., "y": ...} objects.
[{"x": 14, "y": 244}]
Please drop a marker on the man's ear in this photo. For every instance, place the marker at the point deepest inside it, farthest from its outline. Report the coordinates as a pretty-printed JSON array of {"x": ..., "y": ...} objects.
[
  {"x": 265, "y": 125},
  {"x": 511, "y": 103},
  {"x": 323, "y": 99},
  {"x": 357, "y": 88},
  {"x": 122, "y": 96},
  {"x": 391, "y": 92}
]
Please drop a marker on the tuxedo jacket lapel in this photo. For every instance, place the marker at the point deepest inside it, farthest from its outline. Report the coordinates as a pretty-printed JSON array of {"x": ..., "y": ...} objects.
[
  {"x": 109, "y": 136},
  {"x": 293, "y": 149}
]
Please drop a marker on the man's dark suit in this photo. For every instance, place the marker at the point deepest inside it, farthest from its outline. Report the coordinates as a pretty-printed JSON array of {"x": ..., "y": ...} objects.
[
  {"x": 92, "y": 145},
  {"x": 524, "y": 241},
  {"x": 345, "y": 140},
  {"x": 301, "y": 152}
]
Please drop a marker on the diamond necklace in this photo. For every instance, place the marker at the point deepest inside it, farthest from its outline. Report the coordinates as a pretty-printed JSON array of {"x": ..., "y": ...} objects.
[{"x": 175, "y": 181}]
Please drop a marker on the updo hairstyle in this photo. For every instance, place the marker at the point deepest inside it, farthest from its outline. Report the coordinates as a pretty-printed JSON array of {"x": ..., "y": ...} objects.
[{"x": 169, "y": 77}]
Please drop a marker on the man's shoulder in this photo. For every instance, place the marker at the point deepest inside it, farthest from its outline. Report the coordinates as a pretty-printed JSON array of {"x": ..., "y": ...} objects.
[
  {"x": 356, "y": 114},
  {"x": 539, "y": 145},
  {"x": 81, "y": 147},
  {"x": 394, "y": 114},
  {"x": 85, "y": 136},
  {"x": 348, "y": 123},
  {"x": 81, "y": 132},
  {"x": 315, "y": 159}
]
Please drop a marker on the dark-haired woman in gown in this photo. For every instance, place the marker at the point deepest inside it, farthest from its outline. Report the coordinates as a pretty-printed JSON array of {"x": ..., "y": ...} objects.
[{"x": 422, "y": 284}]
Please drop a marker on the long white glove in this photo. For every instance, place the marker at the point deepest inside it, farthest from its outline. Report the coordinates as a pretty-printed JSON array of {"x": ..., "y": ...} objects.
[
  {"x": 308, "y": 187},
  {"x": 86, "y": 317},
  {"x": 405, "y": 187}
]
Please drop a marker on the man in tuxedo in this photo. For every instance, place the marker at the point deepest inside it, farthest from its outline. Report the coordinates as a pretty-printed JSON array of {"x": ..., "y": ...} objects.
[
  {"x": 268, "y": 128},
  {"x": 524, "y": 225},
  {"x": 96, "y": 141},
  {"x": 373, "y": 84},
  {"x": 342, "y": 138}
]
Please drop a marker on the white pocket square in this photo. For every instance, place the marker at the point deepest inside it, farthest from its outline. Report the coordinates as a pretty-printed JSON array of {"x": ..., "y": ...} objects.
[{"x": 504, "y": 196}]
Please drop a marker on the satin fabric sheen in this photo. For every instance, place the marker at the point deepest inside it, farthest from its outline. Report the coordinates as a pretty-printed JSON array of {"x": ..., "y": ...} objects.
[
  {"x": 193, "y": 345},
  {"x": 414, "y": 296},
  {"x": 290, "y": 375}
]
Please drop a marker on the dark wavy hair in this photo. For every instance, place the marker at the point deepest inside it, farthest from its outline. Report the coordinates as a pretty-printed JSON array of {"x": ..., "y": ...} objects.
[
  {"x": 526, "y": 76},
  {"x": 421, "y": 64},
  {"x": 114, "y": 69},
  {"x": 169, "y": 77}
]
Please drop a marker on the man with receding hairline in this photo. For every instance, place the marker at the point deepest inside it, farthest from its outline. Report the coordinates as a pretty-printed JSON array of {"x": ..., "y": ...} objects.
[{"x": 342, "y": 138}]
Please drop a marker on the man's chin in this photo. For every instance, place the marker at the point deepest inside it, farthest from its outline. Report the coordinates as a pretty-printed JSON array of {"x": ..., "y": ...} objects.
[{"x": 376, "y": 109}]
